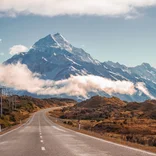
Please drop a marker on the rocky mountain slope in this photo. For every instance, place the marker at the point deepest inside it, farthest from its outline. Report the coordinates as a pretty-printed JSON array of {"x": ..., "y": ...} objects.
[{"x": 55, "y": 58}]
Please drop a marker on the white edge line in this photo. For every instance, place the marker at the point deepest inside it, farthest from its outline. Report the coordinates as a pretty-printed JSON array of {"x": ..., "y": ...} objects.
[
  {"x": 116, "y": 144},
  {"x": 28, "y": 122},
  {"x": 48, "y": 121}
]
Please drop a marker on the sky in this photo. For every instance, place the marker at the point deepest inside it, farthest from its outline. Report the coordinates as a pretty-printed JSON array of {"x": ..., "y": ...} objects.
[{"x": 121, "y": 31}]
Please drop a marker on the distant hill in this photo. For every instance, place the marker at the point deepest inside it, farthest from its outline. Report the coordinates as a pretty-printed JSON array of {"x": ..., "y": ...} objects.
[
  {"x": 99, "y": 102},
  {"x": 111, "y": 117},
  {"x": 103, "y": 107},
  {"x": 16, "y": 108}
]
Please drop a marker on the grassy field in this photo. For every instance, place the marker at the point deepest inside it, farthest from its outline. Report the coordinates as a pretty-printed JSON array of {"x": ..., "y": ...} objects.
[{"x": 110, "y": 118}]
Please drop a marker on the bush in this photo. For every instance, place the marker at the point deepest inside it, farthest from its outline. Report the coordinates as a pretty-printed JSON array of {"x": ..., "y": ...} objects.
[{"x": 70, "y": 123}]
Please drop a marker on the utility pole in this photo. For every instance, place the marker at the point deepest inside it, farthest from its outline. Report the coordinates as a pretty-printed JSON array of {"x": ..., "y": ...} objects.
[
  {"x": 12, "y": 101},
  {"x": 15, "y": 102},
  {"x": 9, "y": 98},
  {"x": 1, "y": 93},
  {"x": 7, "y": 92}
]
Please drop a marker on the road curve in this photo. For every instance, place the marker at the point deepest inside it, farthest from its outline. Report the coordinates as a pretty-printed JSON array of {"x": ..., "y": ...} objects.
[{"x": 41, "y": 137}]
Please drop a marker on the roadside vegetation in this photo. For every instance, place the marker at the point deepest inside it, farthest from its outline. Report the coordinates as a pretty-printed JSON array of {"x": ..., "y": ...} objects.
[
  {"x": 16, "y": 109},
  {"x": 111, "y": 117}
]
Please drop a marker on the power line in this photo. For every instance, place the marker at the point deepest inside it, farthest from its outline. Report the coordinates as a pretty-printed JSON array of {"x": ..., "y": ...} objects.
[
  {"x": 5, "y": 92},
  {"x": 11, "y": 99},
  {"x": 1, "y": 94}
]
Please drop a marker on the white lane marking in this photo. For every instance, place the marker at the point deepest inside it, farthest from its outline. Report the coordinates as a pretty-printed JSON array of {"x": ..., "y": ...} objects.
[
  {"x": 25, "y": 124},
  {"x": 105, "y": 141},
  {"x": 4, "y": 142},
  {"x": 109, "y": 142},
  {"x": 40, "y": 133},
  {"x": 30, "y": 121},
  {"x": 43, "y": 148},
  {"x": 53, "y": 126},
  {"x": 39, "y": 123},
  {"x": 41, "y": 137},
  {"x": 58, "y": 129},
  {"x": 41, "y": 140},
  {"x": 46, "y": 119}
]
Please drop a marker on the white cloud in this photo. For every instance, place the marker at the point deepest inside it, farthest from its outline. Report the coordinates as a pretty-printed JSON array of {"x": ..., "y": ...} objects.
[
  {"x": 0, "y": 40},
  {"x": 126, "y": 8},
  {"x": 21, "y": 78},
  {"x": 142, "y": 87},
  {"x": 17, "y": 49}
]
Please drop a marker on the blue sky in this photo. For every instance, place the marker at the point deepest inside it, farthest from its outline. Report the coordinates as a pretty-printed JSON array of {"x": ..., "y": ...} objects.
[{"x": 125, "y": 37}]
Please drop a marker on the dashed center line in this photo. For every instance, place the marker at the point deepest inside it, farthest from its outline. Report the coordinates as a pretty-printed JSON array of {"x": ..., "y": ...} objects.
[{"x": 43, "y": 148}]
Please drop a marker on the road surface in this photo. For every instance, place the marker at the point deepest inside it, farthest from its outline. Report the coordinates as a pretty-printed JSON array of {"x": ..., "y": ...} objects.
[{"x": 41, "y": 137}]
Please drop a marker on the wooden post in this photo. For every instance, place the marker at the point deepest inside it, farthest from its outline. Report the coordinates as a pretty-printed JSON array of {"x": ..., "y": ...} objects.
[{"x": 1, "y": 93}]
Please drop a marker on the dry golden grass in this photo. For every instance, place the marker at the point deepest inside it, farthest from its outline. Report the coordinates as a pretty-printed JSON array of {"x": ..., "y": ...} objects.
[
  {"x": 107, "y": 136},
  {"x": 136, "y": 126}
]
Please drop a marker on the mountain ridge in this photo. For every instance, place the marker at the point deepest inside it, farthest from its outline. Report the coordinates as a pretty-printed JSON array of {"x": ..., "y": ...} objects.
[{"x": 55, "y": 58}]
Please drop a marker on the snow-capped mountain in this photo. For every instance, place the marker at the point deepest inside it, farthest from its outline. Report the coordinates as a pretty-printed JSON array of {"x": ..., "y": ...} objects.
[{"x": 55, "y": 58}]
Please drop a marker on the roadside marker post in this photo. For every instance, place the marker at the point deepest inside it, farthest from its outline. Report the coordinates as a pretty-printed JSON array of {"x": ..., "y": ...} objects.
[{"x": 79, "y": 125}]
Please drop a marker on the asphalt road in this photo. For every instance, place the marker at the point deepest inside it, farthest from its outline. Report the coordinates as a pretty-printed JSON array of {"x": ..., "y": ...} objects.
[{"x": 41, "y": 137}]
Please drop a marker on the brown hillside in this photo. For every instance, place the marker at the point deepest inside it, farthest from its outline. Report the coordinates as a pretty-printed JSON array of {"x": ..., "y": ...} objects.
[
  {"x": 25, "y": 105},
  {"x": 98, "y": 101},
  {"x": 128, "y": 121}
]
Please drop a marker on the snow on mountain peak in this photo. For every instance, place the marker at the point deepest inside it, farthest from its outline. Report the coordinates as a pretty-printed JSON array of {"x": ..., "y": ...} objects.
[
  {"x": 54, "y": 41},
  {"x": 62, "y": 42},
  {"x": 45, "y": 42},
  {"x": 59, "y": 37},
  {"x": 55, "y": 59}
]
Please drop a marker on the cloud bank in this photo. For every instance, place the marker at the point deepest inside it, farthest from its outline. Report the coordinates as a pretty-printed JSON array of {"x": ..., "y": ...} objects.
[
  {"x": 17, "y": 49},
  {"x": 142, "y": 87},
  {"x": 21, "y": 78},
  {"x": 126, "y": 8}
]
